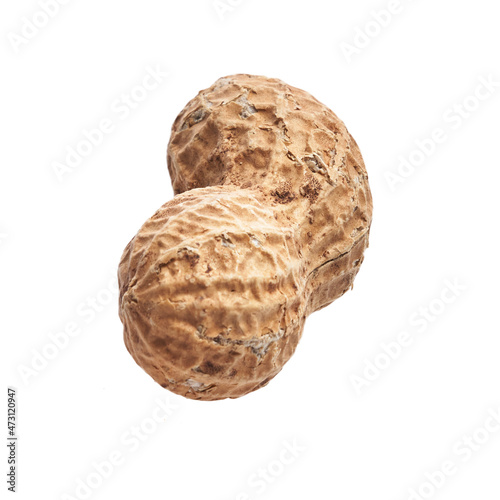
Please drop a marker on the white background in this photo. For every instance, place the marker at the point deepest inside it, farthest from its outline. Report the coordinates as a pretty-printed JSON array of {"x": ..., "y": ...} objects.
[{"x": 61, "y": 240}]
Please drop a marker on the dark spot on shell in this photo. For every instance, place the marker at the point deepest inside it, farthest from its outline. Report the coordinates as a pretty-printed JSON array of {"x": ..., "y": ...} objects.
[
  {"x": 195, "y": 117},
  {"x": 283, "y": 193},
  {"x": 209, "y": 368},
  {"x": 192, "y": 259},
  {"x": 264, "y": 382},
  {"x": 311, "y": 189}
]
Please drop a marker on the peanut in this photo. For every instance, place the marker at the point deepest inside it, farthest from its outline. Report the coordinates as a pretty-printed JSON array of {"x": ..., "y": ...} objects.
[{"x": 269, "y": 223}]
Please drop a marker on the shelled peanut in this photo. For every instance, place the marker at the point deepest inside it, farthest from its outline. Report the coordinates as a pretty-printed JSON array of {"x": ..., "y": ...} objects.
[{"x": 269, "y": 224}]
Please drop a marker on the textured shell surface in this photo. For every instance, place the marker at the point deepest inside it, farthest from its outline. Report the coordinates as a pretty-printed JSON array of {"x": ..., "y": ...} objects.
[{"x": 269, "y": 223}]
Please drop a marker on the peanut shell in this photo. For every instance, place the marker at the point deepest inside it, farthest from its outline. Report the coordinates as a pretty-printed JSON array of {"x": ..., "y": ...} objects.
[{"x": 269, "y": 223}]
